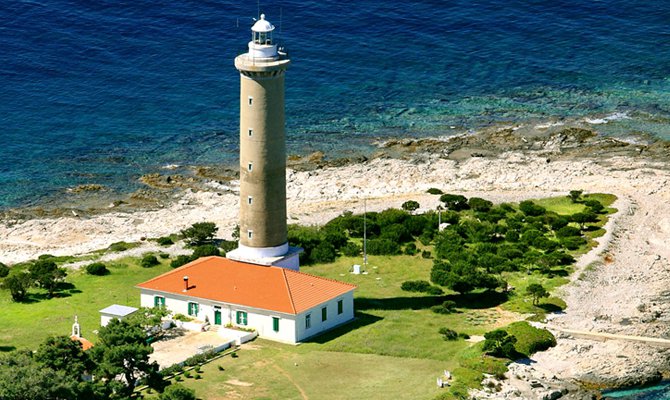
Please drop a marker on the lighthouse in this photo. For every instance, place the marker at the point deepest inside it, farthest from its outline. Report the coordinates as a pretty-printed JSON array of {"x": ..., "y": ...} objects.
[{"x": 263, "y": 232}]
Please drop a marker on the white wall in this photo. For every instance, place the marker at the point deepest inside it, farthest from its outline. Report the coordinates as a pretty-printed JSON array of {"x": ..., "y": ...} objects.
[
  {"x": 258, "y": 319},
  {"x": 333, "y": 320}
]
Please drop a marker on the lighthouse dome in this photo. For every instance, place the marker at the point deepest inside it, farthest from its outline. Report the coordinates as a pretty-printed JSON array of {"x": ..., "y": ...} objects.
[{"x": 263, "y": 25}]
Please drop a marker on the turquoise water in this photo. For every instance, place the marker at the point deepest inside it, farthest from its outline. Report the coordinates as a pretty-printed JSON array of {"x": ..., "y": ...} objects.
[
  {"x": 103, "y": 92},
  {"x": 658, "y": 392}
]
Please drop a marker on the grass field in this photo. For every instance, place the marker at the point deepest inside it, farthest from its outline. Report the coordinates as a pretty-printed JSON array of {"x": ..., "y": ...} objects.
[{"x": 26, "y": 325}]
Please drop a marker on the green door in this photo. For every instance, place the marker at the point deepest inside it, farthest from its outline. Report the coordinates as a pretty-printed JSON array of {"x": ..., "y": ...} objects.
[{"x": 217, "y": 317}]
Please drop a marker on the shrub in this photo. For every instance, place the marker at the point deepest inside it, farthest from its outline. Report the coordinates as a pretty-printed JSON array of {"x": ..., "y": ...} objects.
[
  {"x": 573, "y": 242},
  {"x": 447, "y": 307},
  {"x": 351, "y": 249},
  {"x": 455, "y": 202},
  {"x": 499, "y": 343},
  {"x": 205, "y": 251},
  {"x": 594, "y": 205},
  {"x": 121, "y": 246},
  {"x": 180, "y": 260},
  {"x": 530, "y": 339},
  {"x": 4, "y": 270},
  {"x": 177, "y": 392},
  {"x": 568, "y": 231},
  {"x": 434, "y": 191},
  {"x": 97, "y": 268},
  {"x": 382, "y": 247},
  {"x": 149, "y": 260},
  {"x": 448, "y": 334},
  {"x": 425, "y": 254},
  {"x": 171, "y": 370},
  {"x": 435, "y": 291},
  {"x": 529, "y": 208},
  {"x": 410, "y": 249},
  {"x": 200, "y": 233},
  {"x": 18, "y": 284},
  {"x": 463, "y": 335},
  {"x": 164, "y": 256},
  {"x": 415, "y": 286},
  {"x": 165, "y": 241},
  {"x": 324, "y": 252},
  {"x": 479, "y": 204},
  {"x": 410, "y": 205},
  {"x": 227, "y": 245}
]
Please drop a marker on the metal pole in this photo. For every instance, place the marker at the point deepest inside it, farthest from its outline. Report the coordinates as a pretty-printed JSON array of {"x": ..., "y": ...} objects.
[{"x": 365, "y": 234}]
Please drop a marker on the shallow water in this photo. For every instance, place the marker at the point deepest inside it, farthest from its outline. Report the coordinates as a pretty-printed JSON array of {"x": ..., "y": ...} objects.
[
  {"x": 658, "y": 392},
  {"x": 102, "y": 92}
]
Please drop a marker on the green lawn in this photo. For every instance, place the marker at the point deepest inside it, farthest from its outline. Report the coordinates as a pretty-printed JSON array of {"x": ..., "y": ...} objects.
[{"x": 26, "y": 325}]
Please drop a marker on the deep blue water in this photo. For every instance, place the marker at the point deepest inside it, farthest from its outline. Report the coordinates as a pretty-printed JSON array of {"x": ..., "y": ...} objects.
[{"x": 101, "y": 92}]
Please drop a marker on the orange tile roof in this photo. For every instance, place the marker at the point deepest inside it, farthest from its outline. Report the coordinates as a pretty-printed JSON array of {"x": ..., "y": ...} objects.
[
  {"x": 85, "y": 343},
  {"x": 269, "y": 288}
]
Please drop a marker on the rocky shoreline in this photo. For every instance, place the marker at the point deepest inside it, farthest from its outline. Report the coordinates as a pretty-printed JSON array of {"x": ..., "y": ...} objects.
[{"x": 621, "y": 288}]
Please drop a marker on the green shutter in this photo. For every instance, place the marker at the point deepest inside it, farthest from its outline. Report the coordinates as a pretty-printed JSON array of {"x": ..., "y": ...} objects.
[
  {"x": 340, "y": 307},
  {"x": 324, "y": 313},
  {"x": 275, "y": 324},
  {"x": 241, "y": 318}
]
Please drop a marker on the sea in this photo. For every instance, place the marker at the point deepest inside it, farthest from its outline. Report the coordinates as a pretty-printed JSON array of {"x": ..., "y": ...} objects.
[{"x": 102, "y": 92}]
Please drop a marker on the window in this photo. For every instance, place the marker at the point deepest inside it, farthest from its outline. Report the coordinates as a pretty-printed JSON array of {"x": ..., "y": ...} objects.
[
  {"x": 193, "y": 309},
  {"x": 324, "y": 313},
  {"x": 251, "y": 100},
  {"x": 308, "y": 321},
  {"x": 250, "y": 234},
  {"x": 250, "y": 166},
  {"x": 275, "y": 324},
  {"x": 251, "y": 132},
  {"x": 250, "y": 200},
  {"x": 340, "y": 307},
  {"x": 159, "y": 301},
  {"x": 241, "y": 318}
]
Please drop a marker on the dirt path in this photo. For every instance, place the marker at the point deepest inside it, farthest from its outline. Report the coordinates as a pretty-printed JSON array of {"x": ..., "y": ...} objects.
[{"x": 286, "y": 374}]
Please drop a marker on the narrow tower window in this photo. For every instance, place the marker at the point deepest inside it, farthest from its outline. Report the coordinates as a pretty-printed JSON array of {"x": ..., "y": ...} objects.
[
  {"x": 251, "y": 100},
  {"x": 250, "y": 234},
  {"x": 250, "y": 166},
  {"x": 250, "y": 200},
  {"x": 251, "y": 132}
]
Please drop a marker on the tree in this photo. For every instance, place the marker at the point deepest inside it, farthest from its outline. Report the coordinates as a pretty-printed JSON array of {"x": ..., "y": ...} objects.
[
  {"x": 324, "y": 252},
  {"x": 18, "y": 284},
  {"x": 177, "y": 392},
  {"x": 23, "y": 378},
  {"x": 537, "y": 291},
  {"x": 180, "y": 260},
  {"x": 499, "y": 343},
  {"x": 479, "y": 204},
  {"x": 583, "y": 217},
  {"x": 149, "y": 260},
  {"x": 200, "y": 233},
  {"x": 410, "y": 205},
  {"x": 575, "y": 195},
  {"x": 236, "y": 233},
  {"x": 531, "y": 209},
  {"x": 4, "y": 270},
  {"x": 46, "y": 274},
  {"x": 122, "y": 350},
  {"x": 455, "y": 202},
  {"x": 61, "y": 353},
  {"x": 205, "y": 250},
  {"x": 594, "y": 205}
]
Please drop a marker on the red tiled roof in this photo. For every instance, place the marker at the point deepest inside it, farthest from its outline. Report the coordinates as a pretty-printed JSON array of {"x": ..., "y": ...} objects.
[
  {"x": 269, "y": 288},
  {"x": 85, "y": 343}
]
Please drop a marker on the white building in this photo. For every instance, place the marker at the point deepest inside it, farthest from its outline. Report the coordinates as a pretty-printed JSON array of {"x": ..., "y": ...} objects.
[{"x": 280, "y": 304}]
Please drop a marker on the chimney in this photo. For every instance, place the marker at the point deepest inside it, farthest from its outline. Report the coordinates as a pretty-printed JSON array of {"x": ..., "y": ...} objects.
[{"x": 185, "y": 283}]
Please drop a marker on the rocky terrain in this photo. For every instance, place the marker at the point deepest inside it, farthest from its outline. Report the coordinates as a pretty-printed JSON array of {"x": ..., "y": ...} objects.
[{"x": 621, "y": 287}]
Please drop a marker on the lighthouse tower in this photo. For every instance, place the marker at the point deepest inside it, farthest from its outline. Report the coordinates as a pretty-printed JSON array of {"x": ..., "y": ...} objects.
[{"x": 263, "y": 234}]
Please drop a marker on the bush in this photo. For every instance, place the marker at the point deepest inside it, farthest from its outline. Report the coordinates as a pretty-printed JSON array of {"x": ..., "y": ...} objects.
[
  {"x": 425, "y": 254},
  {"x": 177, "y": 392},
  {"x": 529, "y": 208},
  {"x": 448, "y": 334},
  {"x": 415, "y": 286},
  {"x": 410, "y": 205},
  {"x": 434, "y": 191},
  {"x": 530, "y": 339},
  {"x": 573, "y": 242},
  {"x": 447, "y": 307},
  {"x": 351, "y": 249},
  {"x": 121, "y": 246},
  {"x": 227, "y": 245},
  {"x": 479, "y": 204},
  {"x": 164, "y": 241},
  {"x": 499, "y": 343},
  {"x": 324, "y": 252},
  {"x": 200, "y": 233},
  {"x": 97, "y": 268},
  {"x": 149, "y": 260},
  {"x": 410, "y": 249},
  {"x": 381, "y": 247},
  {"x": 568, "y": 231},
  {"x": 455, "y": 202},
  {"x": 205, "y": 251},
  {"x": 4, "y": 270},
  {"x": 180, "y": 260},
  {"x": 164, "y": 256}
]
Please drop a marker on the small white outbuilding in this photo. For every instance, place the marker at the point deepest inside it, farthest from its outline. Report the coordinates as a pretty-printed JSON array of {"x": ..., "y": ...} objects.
[{"x": 115, "y": 311}]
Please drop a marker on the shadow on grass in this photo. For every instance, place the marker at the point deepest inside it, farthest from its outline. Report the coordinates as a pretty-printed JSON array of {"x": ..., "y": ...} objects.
[
  {"x": 479, "y": 300},
  {"x": 548, "y": 307},
  {"x": 6, "y": 349},
  {"x": 361, "y": 319}
]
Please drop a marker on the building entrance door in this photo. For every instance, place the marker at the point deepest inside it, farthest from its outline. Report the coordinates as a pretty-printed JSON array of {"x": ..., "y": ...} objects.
[{"x": 217, "y": 317}]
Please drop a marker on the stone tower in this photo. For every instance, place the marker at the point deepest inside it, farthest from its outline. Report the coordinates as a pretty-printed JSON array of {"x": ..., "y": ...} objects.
[{"x": 263, "y": 234}]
